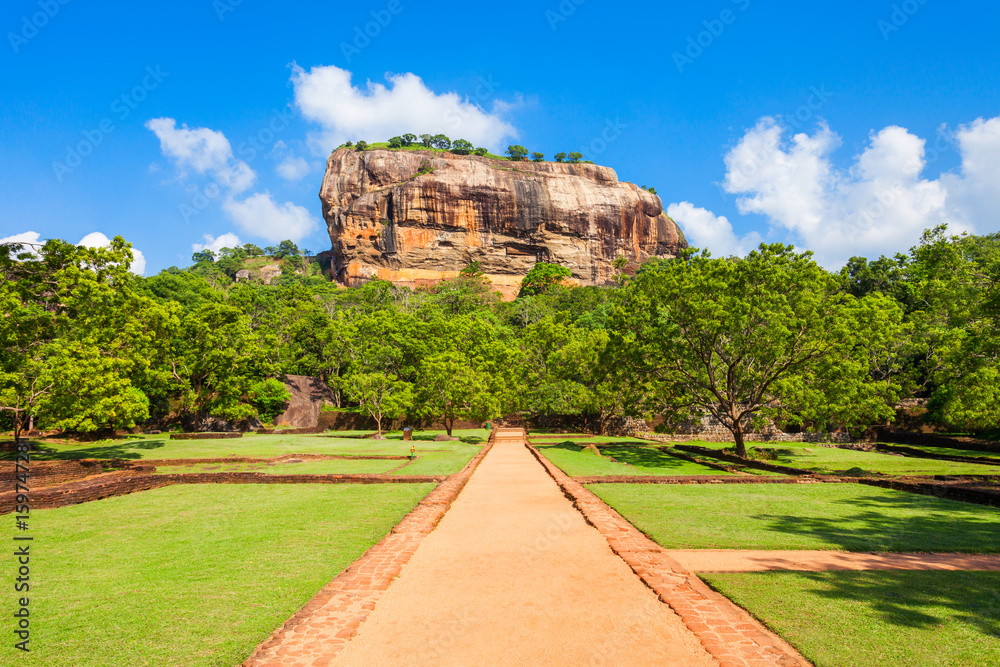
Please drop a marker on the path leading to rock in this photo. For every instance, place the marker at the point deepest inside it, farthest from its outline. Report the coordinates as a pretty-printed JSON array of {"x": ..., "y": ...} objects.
[
  {"x": 513, "y": 575},
  {"x": 726, "y": 560}
]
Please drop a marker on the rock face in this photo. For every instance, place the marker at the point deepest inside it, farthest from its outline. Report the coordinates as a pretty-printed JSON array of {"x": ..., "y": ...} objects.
[{"x": 416, "y": 217}]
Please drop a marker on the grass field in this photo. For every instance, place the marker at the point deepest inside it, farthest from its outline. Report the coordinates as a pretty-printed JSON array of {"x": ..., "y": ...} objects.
[
  {"x": 859, "y": 619},
  {"x": 834, "y": 461},
  {"x": 950, "y": 451},
  {"x": 192, "y": 575},
  {"x": 438, "y": 457},
  {"x": 327, "y": 467},
  {"x": 576, "y": 461},
  {"x": 849, "y": 517}
]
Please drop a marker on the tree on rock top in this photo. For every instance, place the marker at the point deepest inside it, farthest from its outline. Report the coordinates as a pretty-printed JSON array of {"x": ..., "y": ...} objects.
[
  {"x": 542, "y": 278},
  {"x": 517, "y": 153}
]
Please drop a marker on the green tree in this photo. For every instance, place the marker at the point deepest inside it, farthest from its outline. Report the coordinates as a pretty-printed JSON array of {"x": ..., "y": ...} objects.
[
  {"x": 560, "y": 157},
  {"x": 542, "y": 277},
  {"x": 648, "y": 189},
  {"x": 575, "y": 157},
  {"x": 767, "y": 336},
  {"x": 517, "y": 153},
  {"x": 462, "y": 147},
  {"x": 427, "y": 140},
  {"x": 481, "y": 152},
  {"x": 361, "y": 146},
  {"x": 270, "y": 397},
  {"x": 205, "y": 256},
  {"x": 381, "y": 395},
  {"x": 441, "y": 141},
  {"x": 408, "y": 139},
  {"x": 286, "y": 249},
  {"x": 538, "y": 157},
  {"x": 396, "y": 142}
]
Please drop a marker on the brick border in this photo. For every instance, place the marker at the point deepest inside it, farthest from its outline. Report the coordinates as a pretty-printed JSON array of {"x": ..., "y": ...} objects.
[
  {"x": 320, "y": 630},
  {"x": 730, "y": 634}
]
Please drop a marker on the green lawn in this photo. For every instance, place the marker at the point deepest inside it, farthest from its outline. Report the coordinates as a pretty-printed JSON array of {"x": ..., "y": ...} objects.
[
  {"x": 850, "y": 517},
  {"x": 327, "y": 467},
  {"x": 859, "y": 619},
  {"x": 263, "y": 446},
  {"x": 834, "y": 461},
  {"x": 192, "y": 575},
  {"x": 591, "y": 439},
  {"x": 950, "y": 451},
  {"x": 576, "y": 461}
]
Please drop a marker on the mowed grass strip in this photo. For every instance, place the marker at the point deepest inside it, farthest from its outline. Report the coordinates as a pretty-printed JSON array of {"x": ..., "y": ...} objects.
[
  {"x": 577, "y": 461},
  {"x": 442, "y": 458},
  {"x": 848, "y": 517},
  {"x": 192, "y": 575},
  {"x": 834, "y": 461},
  {"x": 859, "y": 619},
  {"x": 327, "y": 467}
]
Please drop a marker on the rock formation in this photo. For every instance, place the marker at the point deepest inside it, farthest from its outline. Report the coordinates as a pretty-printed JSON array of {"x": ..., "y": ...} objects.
[{"x": 418, "y": 217}]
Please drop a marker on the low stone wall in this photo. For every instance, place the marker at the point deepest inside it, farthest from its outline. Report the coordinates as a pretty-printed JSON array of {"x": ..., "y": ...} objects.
[
  {"x": 952, "y": 491},
  {"x": 86, "y": 490},
  {"x": 921, "y": 454},
  {"x": 204, "y": 436},
  {"x": 47, "y": 473},
  {"x": 932, "y": 440},
  {"x": 750, "y": 463}
]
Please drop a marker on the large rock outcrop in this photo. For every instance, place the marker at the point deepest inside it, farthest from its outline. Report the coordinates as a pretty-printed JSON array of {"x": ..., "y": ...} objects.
[{"x": 416, "y": 217}]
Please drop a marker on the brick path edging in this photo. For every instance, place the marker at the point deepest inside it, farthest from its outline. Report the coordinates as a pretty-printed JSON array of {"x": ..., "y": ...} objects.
[
  {"x": 730, "y": 634},
  {"x": 320, "y": 630}
]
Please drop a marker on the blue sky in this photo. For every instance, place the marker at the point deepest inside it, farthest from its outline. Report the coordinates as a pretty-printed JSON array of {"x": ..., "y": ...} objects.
[{"x": 895, "y": 107}]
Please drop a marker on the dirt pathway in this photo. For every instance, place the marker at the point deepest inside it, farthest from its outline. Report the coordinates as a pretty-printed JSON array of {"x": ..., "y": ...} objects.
[
  {"x": 513, "y": 575},
  {"x": 724, "y": 560}
]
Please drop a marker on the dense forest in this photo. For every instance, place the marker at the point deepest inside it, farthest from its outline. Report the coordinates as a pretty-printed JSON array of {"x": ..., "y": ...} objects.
[{"x": 87, "y": 346}]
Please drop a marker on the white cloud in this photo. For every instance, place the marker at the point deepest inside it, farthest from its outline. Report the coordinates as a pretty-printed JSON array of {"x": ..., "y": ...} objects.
[
  {"x": 376, "y": 112},
  {"x": 227, "y": 240},
  {"x": 203, "y": 150},
  {"x": 707, "y": 231},
  {"x": 293, "y": 168},
  {"x": 261, "y": 216},
  {"x": 879, "y": 204},
  {"x": 25, "y": 237},
  {"x": 99, "y": 240}
]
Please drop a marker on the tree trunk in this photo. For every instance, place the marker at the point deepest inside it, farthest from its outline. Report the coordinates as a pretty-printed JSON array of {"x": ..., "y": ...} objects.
[
  {"x": 602, "y": 422},
  {"x": 17, "y": 429},
  {"x": 741, "y": 447},
  {"x": 378, "y": 421},
  {"x": 449, "y": 423}
]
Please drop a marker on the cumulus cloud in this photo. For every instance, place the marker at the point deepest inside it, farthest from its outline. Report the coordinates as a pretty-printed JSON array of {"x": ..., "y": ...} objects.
[
  {"x": 261, "y": 216},
  {"x": 227, "y": 240},
  {"x": 708, "y": 231},
  {"x": 878, "y": 204},
  {"x": 25, "y": 237},
  {"x": 375, "y": 112},
  {"x": 99, "y": 240},
  {"x": 207, "y": 151},
  {"x": 293, "y": 168},
  {"x": 204, "y": 151}
]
